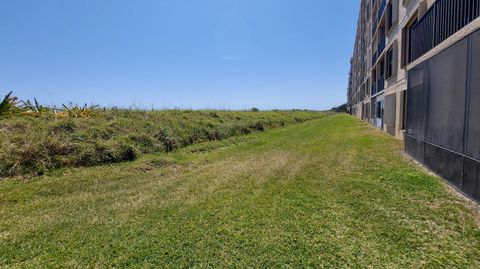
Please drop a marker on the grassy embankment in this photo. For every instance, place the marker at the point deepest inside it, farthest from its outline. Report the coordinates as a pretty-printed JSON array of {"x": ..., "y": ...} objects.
[
  {"x": 327, "y": 193},
  {"x": 33, "y": 143}
]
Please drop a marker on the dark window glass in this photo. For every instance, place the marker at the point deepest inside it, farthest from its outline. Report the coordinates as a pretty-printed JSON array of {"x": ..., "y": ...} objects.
[
  {"x": 390, "y": 62},
  {"x": 389, "y": 16},
  {"x": 380, "y": 109}
]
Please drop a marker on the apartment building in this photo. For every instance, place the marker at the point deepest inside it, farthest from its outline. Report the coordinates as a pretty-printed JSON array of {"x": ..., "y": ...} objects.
[{"x": 415, "y": 74}]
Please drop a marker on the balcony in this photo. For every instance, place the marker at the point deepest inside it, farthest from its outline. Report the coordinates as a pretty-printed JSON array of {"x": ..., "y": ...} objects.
[{"x": 441, "y": 21}]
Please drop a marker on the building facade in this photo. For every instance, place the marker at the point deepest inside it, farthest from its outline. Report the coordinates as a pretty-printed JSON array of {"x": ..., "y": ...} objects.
[{"x": 415, "y": 74}]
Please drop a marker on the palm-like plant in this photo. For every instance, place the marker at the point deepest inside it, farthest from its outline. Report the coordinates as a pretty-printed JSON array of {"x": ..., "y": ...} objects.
[
  {"x": 34, "y": 109},
  {"x": 8, "y": 105},
  {"x": 77, "y": 111}
]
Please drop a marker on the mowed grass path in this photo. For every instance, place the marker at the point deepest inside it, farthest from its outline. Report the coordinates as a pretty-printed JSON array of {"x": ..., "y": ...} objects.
[{"x": 327, "y": 193}]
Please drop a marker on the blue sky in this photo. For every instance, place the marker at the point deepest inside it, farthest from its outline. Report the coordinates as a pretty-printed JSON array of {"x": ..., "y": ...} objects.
[{"x": 219, "y": 54}]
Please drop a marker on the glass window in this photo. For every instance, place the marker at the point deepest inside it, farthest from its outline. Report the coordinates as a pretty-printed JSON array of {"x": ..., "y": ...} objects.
[
  {"x": 389, "y": 16},
  {"x": 390, "y": 62}
]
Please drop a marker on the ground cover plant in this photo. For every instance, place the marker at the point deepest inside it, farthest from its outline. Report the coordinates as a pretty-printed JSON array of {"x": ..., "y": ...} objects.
[
  {"x": 327, "y": 193},
  {"x": 35, "y": 139}
]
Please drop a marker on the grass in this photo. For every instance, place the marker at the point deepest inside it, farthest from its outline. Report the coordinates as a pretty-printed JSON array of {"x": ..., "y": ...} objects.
[
  {"x": 39, "y": 141},
  {"x": 331, "y": 193}
]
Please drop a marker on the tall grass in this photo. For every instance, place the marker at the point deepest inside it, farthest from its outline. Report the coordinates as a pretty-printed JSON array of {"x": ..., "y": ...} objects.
[{"x": 34, "y": 145}]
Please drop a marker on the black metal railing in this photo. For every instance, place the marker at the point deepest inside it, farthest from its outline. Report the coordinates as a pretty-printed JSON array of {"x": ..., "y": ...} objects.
[{"x": 442, "y": 20}]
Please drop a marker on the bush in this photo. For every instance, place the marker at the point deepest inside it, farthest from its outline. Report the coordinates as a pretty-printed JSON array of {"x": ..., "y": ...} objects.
[
  {"x": 126, "y": 152},
  {"x": 168, "y": 141}
]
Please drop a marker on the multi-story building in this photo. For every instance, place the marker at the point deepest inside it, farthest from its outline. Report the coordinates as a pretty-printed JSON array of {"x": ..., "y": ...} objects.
[{"x": 415, "y": 73}]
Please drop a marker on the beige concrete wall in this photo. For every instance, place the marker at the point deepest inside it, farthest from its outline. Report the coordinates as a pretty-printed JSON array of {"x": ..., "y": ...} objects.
[{"x": 398, "y": 83}]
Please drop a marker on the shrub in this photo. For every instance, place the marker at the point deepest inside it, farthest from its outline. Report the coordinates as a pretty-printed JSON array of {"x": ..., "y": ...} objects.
[
  {"x": 258, "y": 126},
  {"x": 143, "y": 141},
  {"x": 168, "y": 141},
  {"x": 126, "y": 152}
]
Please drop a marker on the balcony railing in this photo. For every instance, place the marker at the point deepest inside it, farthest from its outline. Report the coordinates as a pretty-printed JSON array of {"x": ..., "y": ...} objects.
[{"x": 442, "y": 20}]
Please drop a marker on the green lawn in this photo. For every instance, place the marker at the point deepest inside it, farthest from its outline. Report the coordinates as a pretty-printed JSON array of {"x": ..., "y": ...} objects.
[{"x": 331, "y": 192}]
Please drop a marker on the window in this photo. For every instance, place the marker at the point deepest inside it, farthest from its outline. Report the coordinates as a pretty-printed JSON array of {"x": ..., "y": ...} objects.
[
  {"x": 389, "y": 16},
  {"x": 390, "y": 64},
  {"x": 380, "y": 109},
  {"x": 382, "y": 68},
  {"x": 392, "y": 14}
]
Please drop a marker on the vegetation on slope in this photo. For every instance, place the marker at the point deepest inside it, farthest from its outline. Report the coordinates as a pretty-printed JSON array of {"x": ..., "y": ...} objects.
[
  {"x": 329, "y": 193},
  {"x": 35, "y": 139}
]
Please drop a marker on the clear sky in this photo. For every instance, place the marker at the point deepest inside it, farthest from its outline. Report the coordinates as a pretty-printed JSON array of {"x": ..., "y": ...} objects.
[{"x": 219, "y": 54}]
